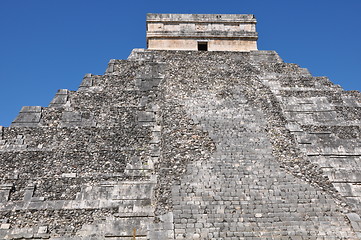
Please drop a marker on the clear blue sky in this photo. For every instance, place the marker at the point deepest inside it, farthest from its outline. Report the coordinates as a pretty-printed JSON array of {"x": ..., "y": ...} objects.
[{"x": 46, "y": 45}]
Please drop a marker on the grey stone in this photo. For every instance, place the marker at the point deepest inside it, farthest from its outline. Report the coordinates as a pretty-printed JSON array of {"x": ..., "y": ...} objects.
[
  {"x": 5, "y": 226},
  {"x": 71, "y": 117},
  {"x": 353, "y": 217},
  {"x": 28, "y": 117}
]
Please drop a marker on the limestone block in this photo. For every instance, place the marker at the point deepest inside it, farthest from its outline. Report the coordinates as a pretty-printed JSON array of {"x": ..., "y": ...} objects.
[
  {"x": 29, "y": 191},
  {"x": 132, "y": 191},
  {"x": 5, "y": 226},
  {"x": 137, "y": 168},
  {"x": 303, "y": 118},
  {"x": 351, "y": 102},
  {"x": 135, "y": 208},
  {"x": 157, "y": 128},
  {"x": 55, "y": 205},
  {"x": 265, "y": 56},
  {"x": 117, "y": 228},
  {"x": 313, "y": 107},
  {"x": 37, "y": 199},
  {"x": 22, "y": 233},
  {"x": 135, "y": 163},
  {"x": 155, "y": 149},
  {"x": 60, "y": 98},
  {"x": 71, "y": 117},
  {"x": 348, "y": 189},
  {"x": 345, "y": 189},
  {"x": 147, "y": 83},
  {"x": 167, "y": 221},
  {"x": 156, "y": 137},
  {"x": 69, "y": 175},
  {"x": 33, "y": 109},
  {"x": 146, "y": 116},
  {"x": 87, "y": 81},
  {"x": 140, "y": 54},
  {"x": 43, "y": 229},
  {"x": 354, "y": 217},
  {"x": 28, "y": 117},
  {"x": 294, "y": 127},
  {"x": 343, "y": 175},
  {"x": 5, "y": 192},
  {"x": 110, "y": 67}
]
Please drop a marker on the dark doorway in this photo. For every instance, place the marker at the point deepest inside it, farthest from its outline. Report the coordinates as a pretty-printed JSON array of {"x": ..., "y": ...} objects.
[{"x": 202, "y": 46}]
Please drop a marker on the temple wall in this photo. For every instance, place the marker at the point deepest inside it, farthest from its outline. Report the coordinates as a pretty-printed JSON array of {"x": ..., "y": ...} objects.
[
  {"x": 224, "y": 32},
  {"x": 172, "y": 44},
  {"x": 232, "y": 45},
  {"x": 192, "y": 44}
]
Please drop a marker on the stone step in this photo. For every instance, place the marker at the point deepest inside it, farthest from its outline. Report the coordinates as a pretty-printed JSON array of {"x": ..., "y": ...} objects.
[
  {"x": 123, "y": 227},
  {"x": 118, "y": 191}
]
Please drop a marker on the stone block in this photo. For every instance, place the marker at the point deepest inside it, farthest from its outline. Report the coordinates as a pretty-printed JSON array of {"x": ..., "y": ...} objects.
[
  {"x": 55, "y": 205},
  {"x": 5, "y": 226},
  {"x": 110, "y": 67},
  {"x": 32, "y": 109},
  {"x": 132, "y": 191},
  {"x": 36, "y": 205},
  {"x": 87, "y": 81},
  {"x": 5, "y": 192},
  {"x": 60, "y": 98},
  {"x": 71, "y": 117},
  {"x": 265, "y": 56},
  {"x": 293, "y": 127},
  {"x": 146, "y": 116},
  {"x": 28, "y": 117},
  {"x": 43, "y": 230},
  {"x": 29, "y": 191},
  {"x": 69, "y": 175},
  {"x": 126, "y": 227},
  {"x": 353, "y": 217},
  {"x": 136, "y": 208},
  {"x": 37, "y": 199}
]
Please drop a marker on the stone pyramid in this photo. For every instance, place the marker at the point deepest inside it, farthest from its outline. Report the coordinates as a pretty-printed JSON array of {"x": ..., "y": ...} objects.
[{"x": 176, "y": 144}]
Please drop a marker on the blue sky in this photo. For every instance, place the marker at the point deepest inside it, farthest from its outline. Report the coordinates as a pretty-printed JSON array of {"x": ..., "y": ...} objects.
[{"x": 46, "y": 45}]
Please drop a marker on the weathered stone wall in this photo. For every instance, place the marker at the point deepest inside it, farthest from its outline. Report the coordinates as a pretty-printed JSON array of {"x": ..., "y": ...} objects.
[
  {"x": 186, "y": 145},
  {"x": 81, "y": 166}
]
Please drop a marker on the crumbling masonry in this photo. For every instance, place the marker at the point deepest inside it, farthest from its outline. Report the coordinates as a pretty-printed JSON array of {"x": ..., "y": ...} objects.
[{"x": 186, "y": 145}]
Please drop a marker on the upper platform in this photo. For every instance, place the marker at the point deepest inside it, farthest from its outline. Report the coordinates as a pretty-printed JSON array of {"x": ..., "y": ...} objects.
[{"x": 203, "y": 32}]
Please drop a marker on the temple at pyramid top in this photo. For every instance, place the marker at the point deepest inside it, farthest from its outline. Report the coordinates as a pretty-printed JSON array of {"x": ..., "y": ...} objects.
[{"x": 202, "y": 32}]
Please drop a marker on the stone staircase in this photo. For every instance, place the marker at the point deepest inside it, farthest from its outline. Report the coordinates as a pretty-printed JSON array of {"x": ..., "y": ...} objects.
[{"x": 242, "y": 192}]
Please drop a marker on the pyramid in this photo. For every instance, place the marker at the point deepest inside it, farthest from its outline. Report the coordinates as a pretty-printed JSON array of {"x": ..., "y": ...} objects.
[{"x": 197, "y": 143}]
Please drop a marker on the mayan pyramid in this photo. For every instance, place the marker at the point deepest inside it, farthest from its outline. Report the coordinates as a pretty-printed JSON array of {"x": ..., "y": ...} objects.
[{"x": 199, "y": 136}]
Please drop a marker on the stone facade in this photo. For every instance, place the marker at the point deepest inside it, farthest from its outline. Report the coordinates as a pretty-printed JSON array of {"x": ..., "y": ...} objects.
[
  {"x": 211, "y": 32},
  {"x": 186, "y": 145}
]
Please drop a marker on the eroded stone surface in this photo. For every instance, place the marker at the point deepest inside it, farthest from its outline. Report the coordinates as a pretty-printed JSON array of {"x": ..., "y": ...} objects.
[{"x": 186, "y": 145}]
